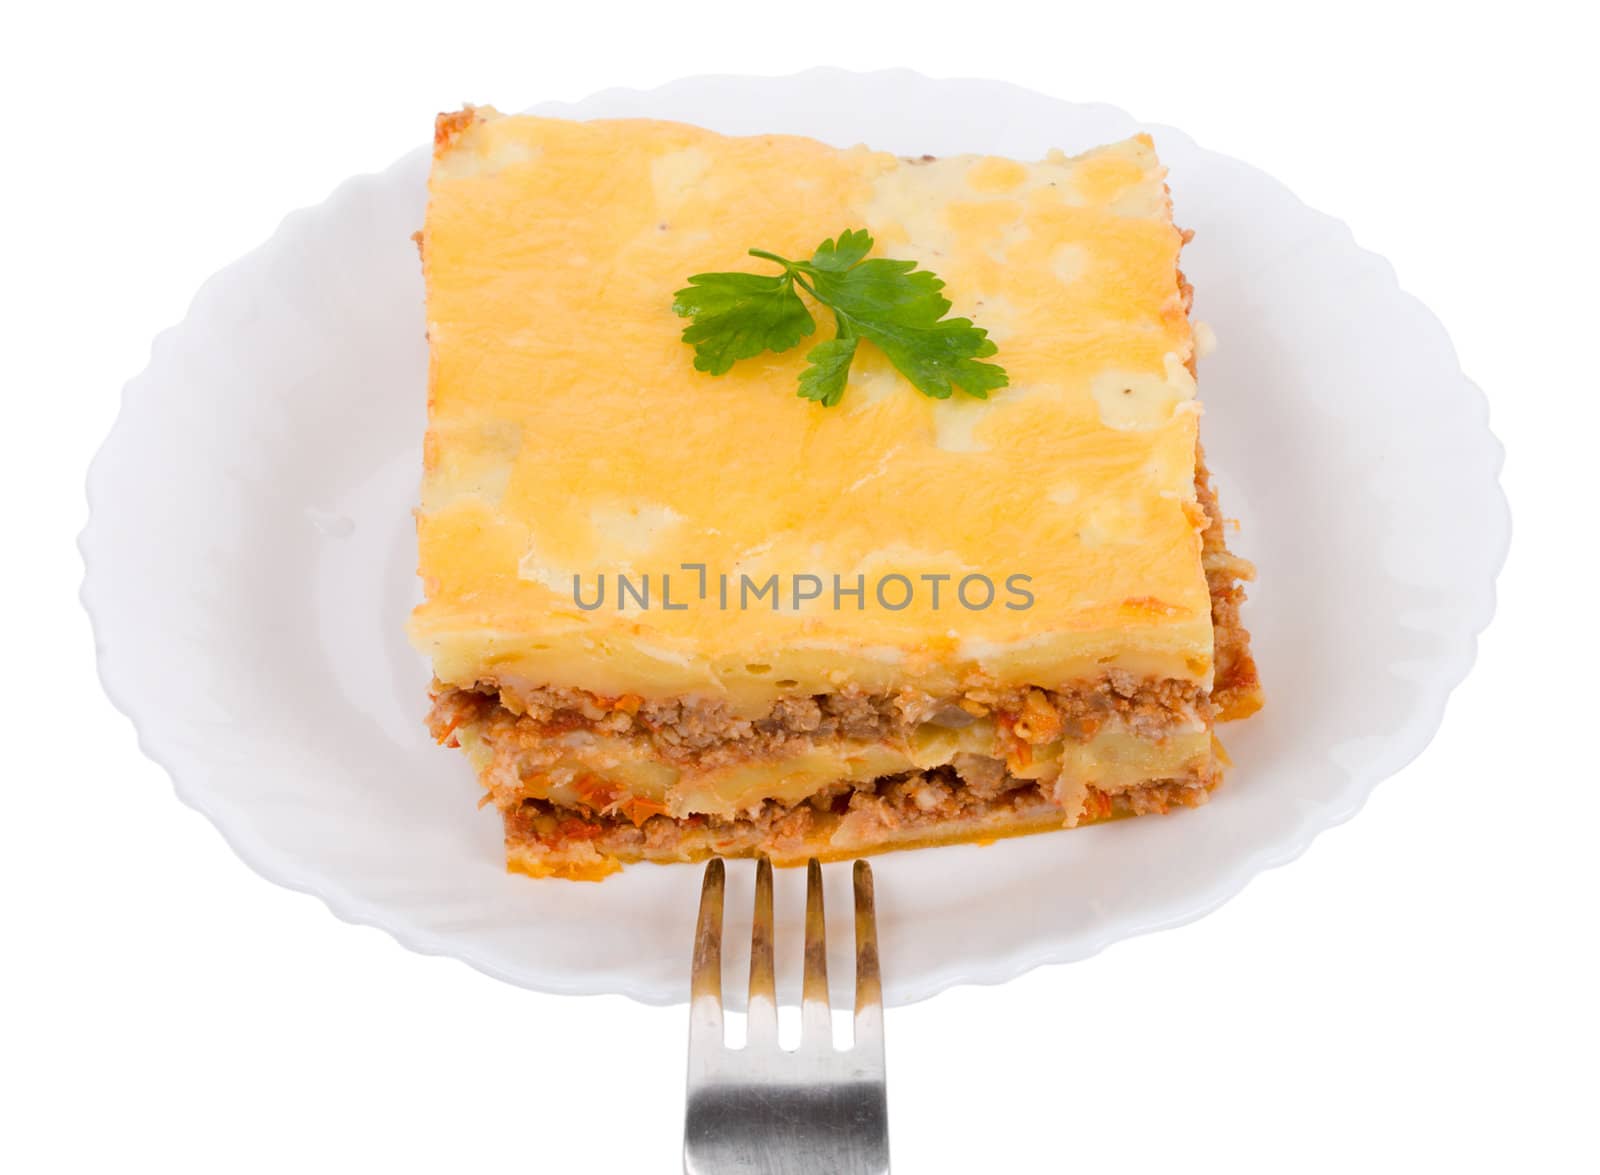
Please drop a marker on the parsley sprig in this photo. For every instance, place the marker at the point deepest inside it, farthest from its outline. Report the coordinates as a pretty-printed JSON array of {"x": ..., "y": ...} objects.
[{"x": 892, "y": 304}]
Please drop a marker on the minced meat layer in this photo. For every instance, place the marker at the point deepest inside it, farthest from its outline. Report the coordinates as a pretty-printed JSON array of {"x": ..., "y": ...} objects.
[
  {"x": 707, "y": 733},
  {"x": 1235, "y": 688},
  {"x": 877, "y": 814}
]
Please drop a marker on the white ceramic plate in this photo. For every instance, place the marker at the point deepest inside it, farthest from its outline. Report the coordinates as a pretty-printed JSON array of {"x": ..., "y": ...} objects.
[{"x": 250, "y": 561}]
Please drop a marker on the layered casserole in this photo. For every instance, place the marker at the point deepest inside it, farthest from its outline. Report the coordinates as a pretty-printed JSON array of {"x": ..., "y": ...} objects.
[{"x": 672, "y": 614}]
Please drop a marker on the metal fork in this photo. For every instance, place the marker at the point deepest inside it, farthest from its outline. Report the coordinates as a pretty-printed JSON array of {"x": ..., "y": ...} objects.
[{"x": 761, "y": 1110}]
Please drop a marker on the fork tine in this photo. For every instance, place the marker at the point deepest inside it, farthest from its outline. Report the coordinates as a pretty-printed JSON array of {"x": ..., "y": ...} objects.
[
  {"x": 823, "y": 1109},
  {"x": 705, "y": 989},
  {"x": 816, "y": 1022},
  {"x": 763, "y": 1016},
  {"x": 869, "y": 982}
]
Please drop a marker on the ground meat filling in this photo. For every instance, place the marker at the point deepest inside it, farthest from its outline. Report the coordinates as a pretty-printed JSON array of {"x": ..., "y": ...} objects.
[
  {"x": 521, "y": 746},
  {"x": 899, "y": 804},
  {"x": 1235, "y": 688},
  {"x": 708, "y": 734}
]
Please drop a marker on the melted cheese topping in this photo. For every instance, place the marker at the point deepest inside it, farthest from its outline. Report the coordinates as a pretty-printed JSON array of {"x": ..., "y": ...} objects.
[{"x": 571, "y": 437}]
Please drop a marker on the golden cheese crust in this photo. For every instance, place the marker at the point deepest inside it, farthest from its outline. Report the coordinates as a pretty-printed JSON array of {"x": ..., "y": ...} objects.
[{"x": 570, "y": 437}]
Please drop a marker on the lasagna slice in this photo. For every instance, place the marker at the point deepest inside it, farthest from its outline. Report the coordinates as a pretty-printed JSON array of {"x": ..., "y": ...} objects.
[{"x": 672, "y": 614}]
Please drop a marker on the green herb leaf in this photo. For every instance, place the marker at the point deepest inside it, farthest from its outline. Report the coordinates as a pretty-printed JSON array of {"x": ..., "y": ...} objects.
[
  {"x": 900, "y": 308},
  {"x": 854, "y": 244},
  {"x": 739, "y": 315},
  {"x": 893, "y": 304},
  {"x": 829, "y": 368}
]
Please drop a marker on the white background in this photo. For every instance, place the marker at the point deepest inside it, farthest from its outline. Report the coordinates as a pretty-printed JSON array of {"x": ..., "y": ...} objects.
[{"x": 1417, "y": 992}]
